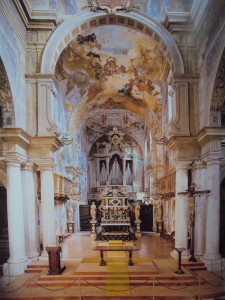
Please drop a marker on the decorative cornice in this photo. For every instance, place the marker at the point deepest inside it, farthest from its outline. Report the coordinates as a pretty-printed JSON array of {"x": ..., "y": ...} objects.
[
  {"x": 208, "y": 134},
  {"x": 15, "y": 135},
  {"x": 178, "y": 21},
  {"x": 36, "y": 19},
  {"x": 51, "y": 143}
]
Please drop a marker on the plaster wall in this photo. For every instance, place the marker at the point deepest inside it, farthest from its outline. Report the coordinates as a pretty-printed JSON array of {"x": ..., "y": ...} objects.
[{"x": 13, "y": 55}]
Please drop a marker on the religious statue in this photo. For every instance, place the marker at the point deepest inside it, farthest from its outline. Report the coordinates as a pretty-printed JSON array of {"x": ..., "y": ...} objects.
[
  {"x": 70, "y": 214},
  {"x": 93, "y": 211},
  {"x": 137, "y": 211},
  {"x": 159, "y": 215}
]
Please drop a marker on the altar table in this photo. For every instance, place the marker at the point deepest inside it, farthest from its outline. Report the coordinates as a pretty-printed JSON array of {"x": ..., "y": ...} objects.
[{"x": 124, "y": 247}]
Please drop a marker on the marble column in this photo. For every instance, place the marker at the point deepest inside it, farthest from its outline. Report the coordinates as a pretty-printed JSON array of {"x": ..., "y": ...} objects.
[
  {"x": 181, "y": 206},
  {"x": 199, "y": 178},
  {"x": 47, "y": 208},
  {"x": 212, "y": 255},
  {"x": 30, "y": 210},
  {"x": 17, "y": 261}
]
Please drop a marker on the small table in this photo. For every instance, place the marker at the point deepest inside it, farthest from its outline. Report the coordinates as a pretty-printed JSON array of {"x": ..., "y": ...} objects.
[{"x": 123, "y": 247}]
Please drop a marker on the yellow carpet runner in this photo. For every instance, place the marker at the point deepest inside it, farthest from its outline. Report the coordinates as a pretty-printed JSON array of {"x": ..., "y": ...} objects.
[{"x": 117, "y": 274}]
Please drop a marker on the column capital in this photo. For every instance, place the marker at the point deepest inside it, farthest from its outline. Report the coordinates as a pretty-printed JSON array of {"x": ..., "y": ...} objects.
[
  {"x": 42, "y": 149},
  {"x": 29, "y": 166},
  {"x": 182, "y": 165},
  {"x": 15, "y": 144},
  {"x": 13, "y": 163},
  {"x": 209, "y": 139},
  {"x": 199, "y": 164},
  {"x": 184, "y": 147},
  {"x": 45, "y": 165}
]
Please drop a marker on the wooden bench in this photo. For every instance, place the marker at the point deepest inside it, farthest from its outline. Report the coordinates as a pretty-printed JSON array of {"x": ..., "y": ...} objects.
[{"x": 123, "y": 247}]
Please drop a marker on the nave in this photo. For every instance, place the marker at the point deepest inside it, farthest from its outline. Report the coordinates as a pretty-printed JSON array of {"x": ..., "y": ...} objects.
[{"x": 152, "y": 276}]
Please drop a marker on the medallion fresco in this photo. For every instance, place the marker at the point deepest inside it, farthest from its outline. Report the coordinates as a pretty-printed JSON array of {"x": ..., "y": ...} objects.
[{"x": 109, "y": 68}]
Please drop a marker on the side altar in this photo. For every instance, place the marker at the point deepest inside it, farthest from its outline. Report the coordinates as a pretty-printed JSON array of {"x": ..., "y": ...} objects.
[{"x": 115, "y": 222}]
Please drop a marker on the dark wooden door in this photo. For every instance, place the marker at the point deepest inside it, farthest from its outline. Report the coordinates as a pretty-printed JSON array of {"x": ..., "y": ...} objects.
[
  {"x": 146, "y": 216},
  {"x": 85, "y": 218}
]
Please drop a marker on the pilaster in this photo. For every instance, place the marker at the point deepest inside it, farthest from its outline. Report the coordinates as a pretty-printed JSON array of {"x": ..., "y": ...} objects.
[{"x": 46, "y": 96}]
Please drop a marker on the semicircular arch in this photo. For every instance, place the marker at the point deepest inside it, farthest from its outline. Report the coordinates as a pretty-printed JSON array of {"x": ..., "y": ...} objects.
[{"x": 69, "y": 29}]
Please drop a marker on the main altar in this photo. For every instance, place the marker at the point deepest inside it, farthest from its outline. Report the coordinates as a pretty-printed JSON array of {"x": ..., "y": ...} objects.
[{"x": 115, "y": 221}]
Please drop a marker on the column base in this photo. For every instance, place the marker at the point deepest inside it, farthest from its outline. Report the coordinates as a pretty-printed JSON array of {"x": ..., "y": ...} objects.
[
  {"x": 184, "y": 255},
  {"x": 33, "y": 256},
  {"x": 212, "y": 264},
  {"x": 15, "y": 267}
]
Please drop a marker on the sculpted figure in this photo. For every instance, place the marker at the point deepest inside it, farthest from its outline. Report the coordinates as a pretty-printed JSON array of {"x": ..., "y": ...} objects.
[
  {"x": 137, "y": 211},
  {"x": 70, "y": 213},
  {"x": 93, "y": 211}
]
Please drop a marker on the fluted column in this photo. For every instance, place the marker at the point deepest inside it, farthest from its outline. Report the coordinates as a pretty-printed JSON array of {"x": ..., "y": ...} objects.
[
  {"x": 212, "y": 212},
  {"x": 47, "y": 207},
  {"x": 30, "y": 210},
  {"x": 199, "y": 178},
  {"x": 17, "y": 260},
  {"x": 181, "y": 205}
]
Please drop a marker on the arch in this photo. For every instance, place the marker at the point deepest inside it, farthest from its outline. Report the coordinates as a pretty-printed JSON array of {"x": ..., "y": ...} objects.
[
  {"x": 69, "y": 29},
  {"x": 7, "y": 105},
  {"x": 214, "y": 71}
]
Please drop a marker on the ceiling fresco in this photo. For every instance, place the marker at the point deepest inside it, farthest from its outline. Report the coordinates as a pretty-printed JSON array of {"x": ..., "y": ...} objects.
[{"x": 111, "y": 67}]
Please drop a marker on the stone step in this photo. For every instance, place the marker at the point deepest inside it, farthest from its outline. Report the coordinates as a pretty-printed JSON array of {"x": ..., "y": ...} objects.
[
  {"x": 36, "y": 268},
  {"x": 57, "y": 280}
]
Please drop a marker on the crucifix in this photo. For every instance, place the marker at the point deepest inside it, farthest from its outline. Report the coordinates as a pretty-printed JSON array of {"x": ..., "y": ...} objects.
[{"x": 192, "y": 193}]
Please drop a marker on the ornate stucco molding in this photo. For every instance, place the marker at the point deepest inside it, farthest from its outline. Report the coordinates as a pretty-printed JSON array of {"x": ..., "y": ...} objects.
[{"x": 111, "y": 7}]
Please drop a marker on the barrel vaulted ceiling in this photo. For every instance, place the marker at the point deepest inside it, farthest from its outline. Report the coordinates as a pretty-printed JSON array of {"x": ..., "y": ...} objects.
[{"x": 113, "y": 67}]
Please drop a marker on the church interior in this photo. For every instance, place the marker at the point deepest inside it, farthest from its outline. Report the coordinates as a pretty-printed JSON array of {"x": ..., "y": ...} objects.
[{"x": 112, "y": 149}]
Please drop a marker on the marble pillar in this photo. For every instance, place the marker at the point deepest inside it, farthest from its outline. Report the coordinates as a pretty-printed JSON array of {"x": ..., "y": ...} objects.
[
  {"x": 30, "y": 211},
  {"x": 47, "y": 208},
  {"x": 17, "y": 260},
  {"x": 212, "y": 256},
  {"x": 181, "y": 206}
]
